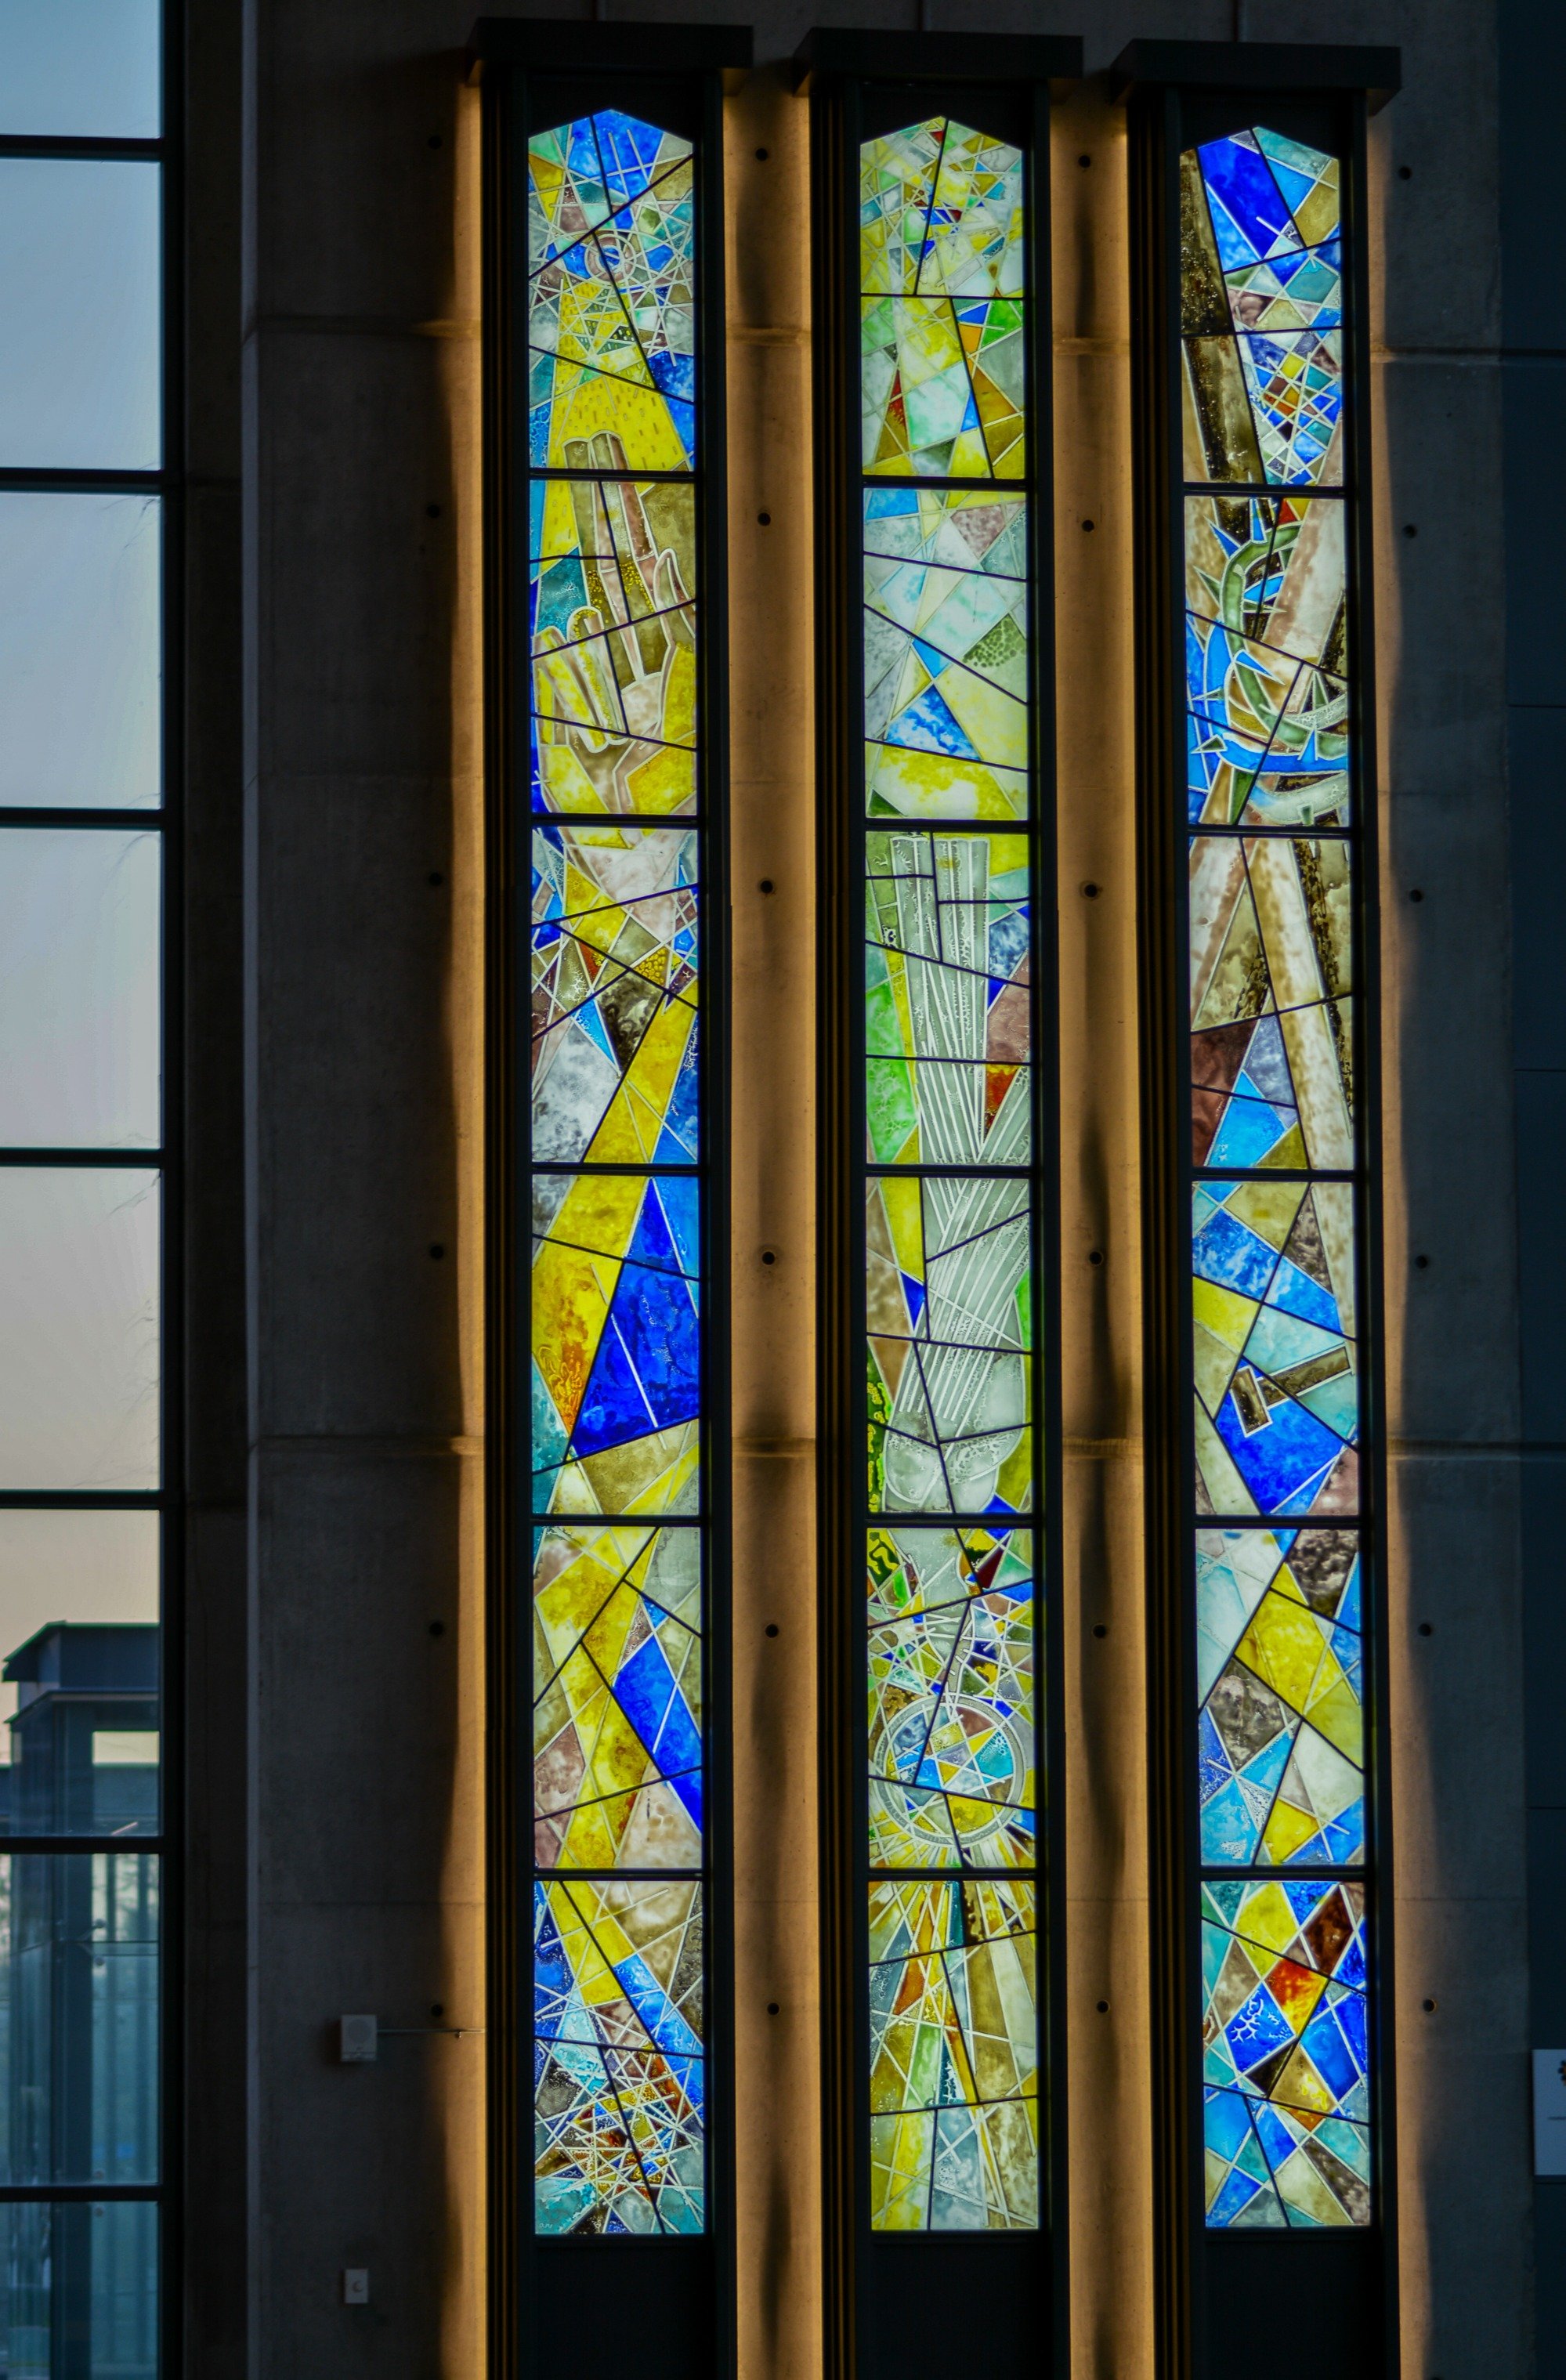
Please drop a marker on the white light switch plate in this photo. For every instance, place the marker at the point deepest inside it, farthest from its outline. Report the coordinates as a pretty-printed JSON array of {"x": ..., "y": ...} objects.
[{"x": 1550, "y": 2111}]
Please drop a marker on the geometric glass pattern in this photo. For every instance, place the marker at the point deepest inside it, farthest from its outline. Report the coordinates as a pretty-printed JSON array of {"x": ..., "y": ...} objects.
[
  {"x": 941, "y": 249},
  {"x": 618, "y": 2088},
  {"x": 1278, "y": 1157},
  {"x": 1282, "y": 1724},
  {"x": 954, "y": 2056},
  {"x": 949, "y": 1084},
  {"x": 1285, "y": 2067},
  {"x": 946, "y": 653},
  {"x": 616, "y": 1141},
  {"x": 951, "y": 1698},
  {"x": 947, "y": 992}
]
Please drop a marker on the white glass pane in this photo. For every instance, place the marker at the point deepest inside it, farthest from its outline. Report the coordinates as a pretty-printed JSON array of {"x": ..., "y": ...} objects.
[
  {"x": 79, "y": 1327},
  {"x": 78, "y": 1603},
  {"x": 79, "y": 375},
  {"x": 79, "y": 988},
  {"x": 79, "y": 646},
  {"x": 85, "y": 66}
]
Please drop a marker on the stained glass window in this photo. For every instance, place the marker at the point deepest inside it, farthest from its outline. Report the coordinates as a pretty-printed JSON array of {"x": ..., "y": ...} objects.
[
  {"x": 1278, "y": 1153},
  {"x": 617, "y": 1138},
  {"x": 951, "y": 975}
]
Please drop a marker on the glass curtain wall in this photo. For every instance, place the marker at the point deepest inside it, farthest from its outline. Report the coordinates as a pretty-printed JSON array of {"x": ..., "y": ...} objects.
[{"x": 82, "y": 1145}]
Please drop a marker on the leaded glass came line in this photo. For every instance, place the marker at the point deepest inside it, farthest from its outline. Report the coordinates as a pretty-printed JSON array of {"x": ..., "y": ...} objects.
[
  {"x": 1278, "y": 1162},
  {"x": 952, "y": 1478},
  {"x": 616, "y": 1140}
]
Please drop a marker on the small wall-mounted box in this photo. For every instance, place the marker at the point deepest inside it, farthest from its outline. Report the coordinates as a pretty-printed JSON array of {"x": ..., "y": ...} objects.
[
  {"x": 1550, "y": 2111},
  {"x": 358, "y": 2039},
  {"x": 356, "y": 2285}
]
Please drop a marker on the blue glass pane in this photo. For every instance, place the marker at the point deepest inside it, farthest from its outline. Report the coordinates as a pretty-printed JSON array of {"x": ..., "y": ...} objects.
[
  {"x": 78, "y": 1989},
  {"x": 91, "y": 68},
  {"x": 86, "y": 2275},
  {"x": 80, "y": 644},
  {"x": 79, "y": 952},
  {"x": 80, "y": 281},
  {"x": 78, "y": 1320}
]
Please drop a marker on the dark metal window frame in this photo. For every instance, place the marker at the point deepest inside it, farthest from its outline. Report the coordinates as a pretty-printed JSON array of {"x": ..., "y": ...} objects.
[
  {"x": 676, "y": 2293},
  {"x": 940, "y": 72},
  {"x": 165, "y": 821},
  {"x": 1212, "y": 2284}
]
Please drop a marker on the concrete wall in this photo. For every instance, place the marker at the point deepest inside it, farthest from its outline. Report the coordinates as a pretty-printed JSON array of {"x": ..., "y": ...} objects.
[
  {"x": 336, "y": 1742},
  {"x": 1533, "y": 51}
]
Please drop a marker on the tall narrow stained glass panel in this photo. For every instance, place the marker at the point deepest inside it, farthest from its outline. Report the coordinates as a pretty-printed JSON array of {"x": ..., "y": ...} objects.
[
  {"x": 952, "y": 1672},
  {"x": 1275, "y": 828},
  {"x": 618, "y": 1140}
]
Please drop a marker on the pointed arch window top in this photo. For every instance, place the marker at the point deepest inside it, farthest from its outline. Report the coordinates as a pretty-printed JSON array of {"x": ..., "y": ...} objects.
[
  {"x": 611, "y": 302},
  {"x": 942, "y": 303}
]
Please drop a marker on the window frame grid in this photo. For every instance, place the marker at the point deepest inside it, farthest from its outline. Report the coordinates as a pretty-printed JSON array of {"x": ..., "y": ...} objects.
[
  {"x": 944, "y": 74},
  {"x": 166, "y": 483},
  {"x": 519, "y": 64},
  {"x": 1179, "y": 93}
]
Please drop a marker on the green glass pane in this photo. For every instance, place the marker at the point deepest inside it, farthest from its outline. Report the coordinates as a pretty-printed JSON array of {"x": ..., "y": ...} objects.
[
  {"x": 941, "y": 334},
  {"x": 948, "y": 994}
]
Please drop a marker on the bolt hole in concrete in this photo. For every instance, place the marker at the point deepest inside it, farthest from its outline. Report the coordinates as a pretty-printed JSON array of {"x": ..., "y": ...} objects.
[
  {"x": 1103, "y": 2007},
  {"x": 437, "y": 1249},
  {"x": 437, "y": 1627},
  {"x": 436, "y": 876},
  {"x": 1088, "y": 526},
  {"x": 1421, "y": 1264},
  {"x": 773, "y": 2008},
  {"x": 437, "y": 2010},
  {"x": 771, "y": 1627},
  {"x": 1427, "y": 1628},
  {"x": 432, "y": 511},
  {"x": 1415, "y": 893},
  {"x": 1091, "y": 892},
  {"x": 436, "y": 141},
  {"x": 1100, "y": 1630},
  {"x": 765, "y": 885},
  {"x": 1429, "y": 2007},
  {"x": 1095, "y": 1255},
  {"x": 762, "y": 155},
  {"x": 1405, "y": 173},
  {"x": 1411, "y": 528},
  {"x": 768, "y": 1256},
  {"x": 765, "y": 519},
  {"x": 1085, "y": 161}
]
